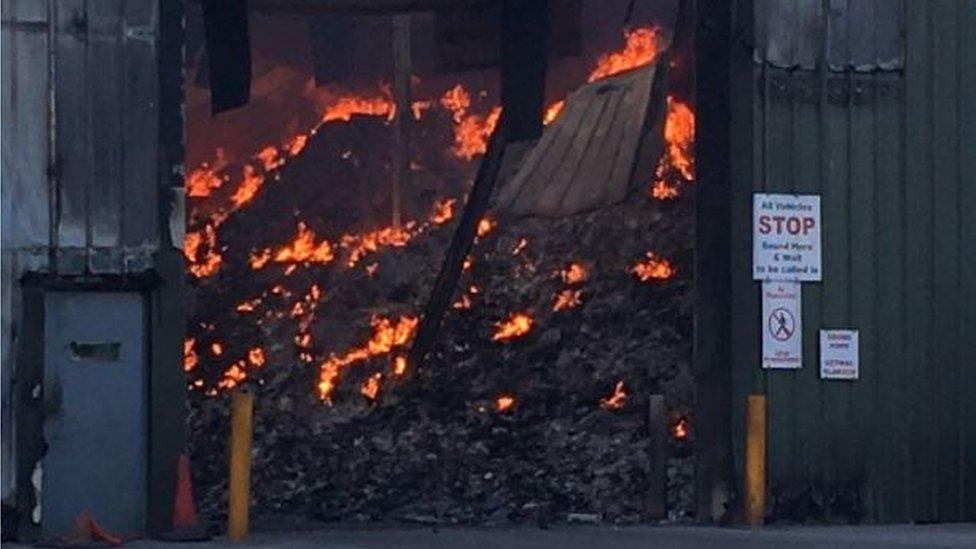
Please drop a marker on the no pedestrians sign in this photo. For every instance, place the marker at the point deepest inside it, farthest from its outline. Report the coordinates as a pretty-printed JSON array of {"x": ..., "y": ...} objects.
[{"x": 781, "y": 325}]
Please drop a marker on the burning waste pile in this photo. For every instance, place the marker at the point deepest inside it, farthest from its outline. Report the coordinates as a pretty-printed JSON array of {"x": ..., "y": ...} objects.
[{"x": 531, "y": 406}]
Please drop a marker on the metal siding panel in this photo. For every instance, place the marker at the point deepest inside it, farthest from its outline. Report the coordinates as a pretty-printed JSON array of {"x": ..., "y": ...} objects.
[
  {"x": 864, "y": 421},
  {"x": 73, "y": 126},
  {"x": 835, "y": 207},
  {"x": 105, "y": 45},
  {"x": 892, "y": 389},
  {"x": 944, "y": 362},
  {"x": 918, "y": 254},
  {"x": 140, "y": 123},
  {"x": 807, "y": 139},
  {"x": 838, "y": 34},
  {"x": 888, "y": 47},
  {"x": 778, "y": 175},
  {"x": 25, "y": 121},
  {"x": 967, "y": 258}
]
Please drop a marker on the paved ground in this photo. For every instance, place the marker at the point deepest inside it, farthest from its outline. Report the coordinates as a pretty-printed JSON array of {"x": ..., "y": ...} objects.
[{"x": 650, "y": 537}]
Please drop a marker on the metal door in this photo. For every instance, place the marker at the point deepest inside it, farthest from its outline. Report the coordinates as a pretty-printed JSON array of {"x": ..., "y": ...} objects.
[{"x": 95, "y": 426}]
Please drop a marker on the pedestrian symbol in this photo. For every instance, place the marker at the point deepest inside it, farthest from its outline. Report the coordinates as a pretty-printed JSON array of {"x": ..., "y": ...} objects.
[{"x": 782, "y": 325}]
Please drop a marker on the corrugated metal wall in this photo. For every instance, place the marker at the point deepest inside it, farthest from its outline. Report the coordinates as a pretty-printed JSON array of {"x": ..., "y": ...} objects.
[
  {"x": 81, "y": 185},
  {"x": 887, "y": 137}
]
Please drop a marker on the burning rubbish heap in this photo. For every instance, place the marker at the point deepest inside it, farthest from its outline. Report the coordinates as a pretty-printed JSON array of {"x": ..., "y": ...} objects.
[{"x": 533, "y": 402}]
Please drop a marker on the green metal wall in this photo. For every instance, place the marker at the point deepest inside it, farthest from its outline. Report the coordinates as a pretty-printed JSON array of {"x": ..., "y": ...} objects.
[{"x": 892, "y": 152}]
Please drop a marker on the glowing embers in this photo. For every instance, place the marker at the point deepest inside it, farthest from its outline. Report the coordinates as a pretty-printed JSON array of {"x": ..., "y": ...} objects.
[
  {"x": 504, "y": 403},
  {"x": 643, "y": 45},
  {"x": 574, "y": 273},
  {"x": 615, "y": 400},
  {"x": 207, "y": 178},
  {"x": 471, "y": 131},
  {"x": 305, "y": 249},
  {"x": 653, "y": 267},
  {"x": 443, "y": 211},
  {"x": 567, "y": 299},
  {"x": 344, "y": 107},
  {"x": 387, "y": 336},
  {"x": 371, "y": 387},
  {"x": 680, "y": 428},
  {"x": 190, "y": 357},
  {"x": 516, "y": 325}
]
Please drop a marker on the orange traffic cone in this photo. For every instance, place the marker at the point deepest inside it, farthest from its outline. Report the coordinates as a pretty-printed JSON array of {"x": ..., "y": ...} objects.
[
  {"x": 186, "y": 526},
  {"x": 184, "y": 511}
]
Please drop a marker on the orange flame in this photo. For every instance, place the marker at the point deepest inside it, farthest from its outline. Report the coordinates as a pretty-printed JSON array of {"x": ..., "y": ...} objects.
[
  {"x": 248, "y": 188},
  {"x": 371, "y": 387},
  {"x": 216, "y": 348},
  {"x": 387, "y": 336},
  {"x": 504, "y": 402},
  {"x": 192, "y": 245},
  {"x": 203, "y": 180},
  {"x": 616, "y": 400},
  {"x": 643, "y": 45},
  {"x": 443, "y": 211},
  {"x": 679, "y": 429},
  {"x": 190, "y": 357},
  {"x": 516, "y": 325},
  {"x": 662, "y": 190},
  {"x": 486, "y": 225},
  {"x": 567, "y": 299},
  {"x": 256, "y": 356},
  {"x": 574, "y": 273},
  {"x": 258, "y": 259},
  {"x": 553, "y": 111},
  {"x": 400, "y": 365},
  {"x": 653, "y": 267},
  {"x": 305, "y": 249}
]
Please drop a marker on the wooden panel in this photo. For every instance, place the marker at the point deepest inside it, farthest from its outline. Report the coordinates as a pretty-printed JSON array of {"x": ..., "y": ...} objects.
[{"x": 918, "y": 254}]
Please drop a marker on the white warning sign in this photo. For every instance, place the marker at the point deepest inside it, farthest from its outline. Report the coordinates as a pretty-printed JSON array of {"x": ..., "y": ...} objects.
[
  {"x": 839, "y": 354},
  {"x": 782, "y": 332},
  {"x": 786, "y": 237}
]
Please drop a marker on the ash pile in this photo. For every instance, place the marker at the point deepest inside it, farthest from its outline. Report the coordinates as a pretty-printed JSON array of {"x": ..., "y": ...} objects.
[{"x": 531, "y": 407}]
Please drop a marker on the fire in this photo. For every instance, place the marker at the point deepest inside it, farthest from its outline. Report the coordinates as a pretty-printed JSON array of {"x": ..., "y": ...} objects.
[
  {"x": 360, "y": 245},
  {"x": 305, "y": 249},
  {"x": 567, "y": 299},
  {"x": 192, "y": 245},
  {"x": 520, "y": 246},
  {"x": 190, "y": 357},
  {"x": 616, "y": 400},
  {"x": 371, "y": 387},
  {"x": 653, "y": 267},
  {"x": 463, "y": 302},
  {"x": 345, "y": 107},
  {"x": 258, "y": 259},
  {"x": 400, "y": 365},
  {"x": 574, "y": 273},
  {"x": 516, "y": 325},
  {"x": 486, "y": 225},
  {"x": 553, "y": 111},
  {"x": 471, "y": 131},
  {"x": 387, "y": 336},
  {"x": 234, "y": 376},
  {"x": 679, "y": 429},
  {"x": 662, "y": 190},
  {"x": 256, "y": 356},
  {"x": 207, "y": 178},
  {"x": 248, "y": 188},
  {"x": 504, "y": 402},
  {"x": 216, "y": 348},
  {"x": 443, "y": 211},
  {"x": 643, "y": 45}
]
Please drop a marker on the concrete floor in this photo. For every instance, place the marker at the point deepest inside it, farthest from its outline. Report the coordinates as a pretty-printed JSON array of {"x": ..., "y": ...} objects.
[{"x": 592, "y": 537}]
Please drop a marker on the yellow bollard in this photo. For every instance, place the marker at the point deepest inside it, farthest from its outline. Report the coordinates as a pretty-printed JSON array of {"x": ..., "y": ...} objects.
[
  {"x": 239, "y": 499},
  {"x": 755, "y": 459}
]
